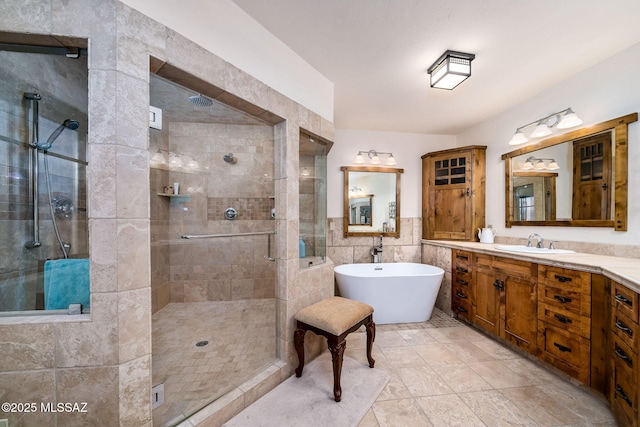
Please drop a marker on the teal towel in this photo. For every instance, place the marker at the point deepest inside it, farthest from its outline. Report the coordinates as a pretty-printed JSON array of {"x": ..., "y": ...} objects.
[{"x": 66, "y": 281}]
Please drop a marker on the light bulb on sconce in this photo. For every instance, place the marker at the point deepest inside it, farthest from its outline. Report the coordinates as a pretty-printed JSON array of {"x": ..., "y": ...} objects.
[
  {"x": 304, "y": 172},
  {"x": 564, "y": 119},
  {"x": 374, "y": 158},
  {"x": 534, "y": 163}
]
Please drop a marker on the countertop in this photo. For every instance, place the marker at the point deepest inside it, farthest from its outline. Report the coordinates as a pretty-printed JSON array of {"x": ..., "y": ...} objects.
[{"x": 625, "y": 271}]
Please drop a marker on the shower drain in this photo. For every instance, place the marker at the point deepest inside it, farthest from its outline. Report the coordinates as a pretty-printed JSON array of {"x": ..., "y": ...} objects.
[{"x": 201, "y": 343}]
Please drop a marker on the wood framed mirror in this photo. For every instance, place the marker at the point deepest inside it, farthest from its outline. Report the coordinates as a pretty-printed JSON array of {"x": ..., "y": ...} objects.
[
  {"x": 371, "y": 201},
  {"x": 577, "y": 179}
]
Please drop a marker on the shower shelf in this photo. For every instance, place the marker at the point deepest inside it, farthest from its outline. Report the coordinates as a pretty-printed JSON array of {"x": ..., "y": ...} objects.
[{"x": 175, "y": 199}]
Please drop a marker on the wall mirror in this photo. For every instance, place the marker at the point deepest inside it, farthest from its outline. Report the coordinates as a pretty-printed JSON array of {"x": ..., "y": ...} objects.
[
  {"x": 371, "y": 201},
  {"x": 577, "y": 179}
]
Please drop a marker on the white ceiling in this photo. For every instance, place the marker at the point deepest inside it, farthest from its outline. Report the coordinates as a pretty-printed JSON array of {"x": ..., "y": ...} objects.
[{"x": 377, "y": 52}]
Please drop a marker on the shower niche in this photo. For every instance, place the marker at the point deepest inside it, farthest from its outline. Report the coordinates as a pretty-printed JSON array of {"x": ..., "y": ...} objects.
[{"x": 43, "y": 145}]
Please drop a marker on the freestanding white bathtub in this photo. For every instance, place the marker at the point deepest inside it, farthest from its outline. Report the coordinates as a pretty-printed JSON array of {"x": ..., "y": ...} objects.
[{"x": 398, "y": 292}]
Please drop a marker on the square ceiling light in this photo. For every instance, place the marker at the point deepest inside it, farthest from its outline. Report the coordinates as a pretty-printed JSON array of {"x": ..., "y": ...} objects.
[{"x": 451, "y": 69}]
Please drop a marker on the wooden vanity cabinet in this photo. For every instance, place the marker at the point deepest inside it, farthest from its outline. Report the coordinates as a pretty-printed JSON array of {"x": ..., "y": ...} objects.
[
  {"x": 564, "y": 320},
  {"x": 504, "y": 299},
  {"x": 461, "y": 284},
  {"x": 624, "y": 346},
  {"x": 453, "y": 193}
]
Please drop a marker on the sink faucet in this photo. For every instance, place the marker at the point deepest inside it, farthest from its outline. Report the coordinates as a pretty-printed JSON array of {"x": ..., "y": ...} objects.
[
  {"x": 376, "y": 252},
  {"x": 535, "y": 236}
]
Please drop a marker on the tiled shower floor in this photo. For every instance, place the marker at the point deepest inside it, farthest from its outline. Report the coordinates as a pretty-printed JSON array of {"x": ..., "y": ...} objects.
[{"x": 241, "y": 342}]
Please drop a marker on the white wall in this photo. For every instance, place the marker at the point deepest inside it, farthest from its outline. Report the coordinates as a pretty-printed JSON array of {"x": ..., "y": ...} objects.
[
  {"x": 223, "y": 28},
  {"x": 407, "y": 148},
  {"x": 605, "y": 91}
]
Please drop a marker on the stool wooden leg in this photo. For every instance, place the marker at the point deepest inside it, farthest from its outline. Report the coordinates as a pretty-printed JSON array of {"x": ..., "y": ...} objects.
[
  {"x": 337, "y": 350},
  {"x": 298, "y": 340},
  {"x": 371, "y": 336}
]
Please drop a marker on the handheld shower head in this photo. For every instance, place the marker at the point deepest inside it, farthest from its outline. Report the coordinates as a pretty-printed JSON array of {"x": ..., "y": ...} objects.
[{"x": 67, "y": 124}]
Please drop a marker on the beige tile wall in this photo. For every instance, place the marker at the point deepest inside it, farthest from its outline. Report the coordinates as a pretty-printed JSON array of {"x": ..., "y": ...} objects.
[{"x": 104, "y": 358}]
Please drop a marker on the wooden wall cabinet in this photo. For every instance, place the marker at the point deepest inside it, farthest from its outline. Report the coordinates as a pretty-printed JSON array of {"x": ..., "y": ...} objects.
[{"x": 453, "y": 193}]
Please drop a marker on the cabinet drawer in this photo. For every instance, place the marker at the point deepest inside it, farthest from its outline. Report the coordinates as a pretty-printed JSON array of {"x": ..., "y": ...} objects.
[
  {"x": 461, "y": 308},
  {"x": 624, "y": 359},
  {"x": 566, "y": 351},
  {"x": 512, "y": 266},
  {"x": 625, "y": 329},
  {"x": 624, "y": 300},
  {"x": 564, "y": 319},
  {"x": 573, "y": 280},
  {"x": 565, "y": 299}
]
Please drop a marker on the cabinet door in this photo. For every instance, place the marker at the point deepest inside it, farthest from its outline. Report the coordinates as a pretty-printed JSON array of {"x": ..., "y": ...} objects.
[
  {"x": 520, "y": 312},
  {"x": 449, "y": 210},
  {"x": 486, "y": 308}
]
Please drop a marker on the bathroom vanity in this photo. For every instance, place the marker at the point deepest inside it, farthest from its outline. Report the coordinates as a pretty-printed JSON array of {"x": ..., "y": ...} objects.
[{"x": 575, "y": 312}]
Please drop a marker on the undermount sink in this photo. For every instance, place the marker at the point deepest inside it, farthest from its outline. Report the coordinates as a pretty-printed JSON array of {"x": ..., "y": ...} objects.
[{"x": 532, "y": 250}]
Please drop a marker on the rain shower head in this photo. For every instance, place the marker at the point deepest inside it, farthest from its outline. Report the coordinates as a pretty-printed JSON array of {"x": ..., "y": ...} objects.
[
  {"x": 67, "y": 124},
  {"x": 200, "y": 101}
]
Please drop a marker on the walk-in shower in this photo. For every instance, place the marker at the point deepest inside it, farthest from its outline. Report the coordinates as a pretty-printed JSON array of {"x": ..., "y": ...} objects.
[{"x": 212, "y": 276}]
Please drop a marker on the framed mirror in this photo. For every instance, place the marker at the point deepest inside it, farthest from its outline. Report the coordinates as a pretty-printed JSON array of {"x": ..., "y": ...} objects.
[
  {"x": 577, "y": 179},
  {"x": 371, "y": 201}
]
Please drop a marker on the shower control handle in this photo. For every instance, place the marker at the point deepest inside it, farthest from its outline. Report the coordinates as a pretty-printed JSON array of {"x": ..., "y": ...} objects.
[{"x": 230, "y": 214}]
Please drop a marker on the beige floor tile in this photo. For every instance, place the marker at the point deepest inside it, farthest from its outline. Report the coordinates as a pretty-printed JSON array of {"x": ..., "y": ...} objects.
[
  {"x": 540, "y": 407},
  {"x": 467, "y": 352},
  {"x": 461, "y": 378},
  {"x": 495, "y": 349},
  {"x": 400, "y": 412},
  {"x": 395, "y": 389},
  {"x": 498, "y": 374},
  {"x": 423, "y": 381},
  {"x": 436, "y": 354},
  {"x": 369, "y": 420},
  {"x": 403, "y": 356},
  {"x": 416, "y": 336},
  {"x": 448, "y": 411},
  {"x": 495, "y": 410}
]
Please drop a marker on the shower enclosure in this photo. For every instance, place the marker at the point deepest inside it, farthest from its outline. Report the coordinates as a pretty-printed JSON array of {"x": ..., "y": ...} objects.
[
  {"x": 212, "y": 249},
  {"x": 43, "y": 137}
]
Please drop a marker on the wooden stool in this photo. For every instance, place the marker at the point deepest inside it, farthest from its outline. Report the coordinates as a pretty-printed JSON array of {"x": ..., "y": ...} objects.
[{"x": 334, "y": 319}]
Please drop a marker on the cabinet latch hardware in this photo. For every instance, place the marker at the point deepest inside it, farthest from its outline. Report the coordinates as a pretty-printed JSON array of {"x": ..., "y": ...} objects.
[
  {"x": 562, "y": 319},
  {"x": 624, "y": 328},
  {"x": 461, "y": 309},
  {"x": 622, "y": 395},
  {"x": 462, "y": 282},
  {"x": 562, "y": 299},
  {"x": 562, "y": 279},
  {"x": 562, "y": 348},
  {"x": 461, "y": 295},
  {"x": 499, "y": 284},
  {"x": 624, "y": 300},
  {"x": 622, "y": 355},
  {"x": 462, "y": 270}
]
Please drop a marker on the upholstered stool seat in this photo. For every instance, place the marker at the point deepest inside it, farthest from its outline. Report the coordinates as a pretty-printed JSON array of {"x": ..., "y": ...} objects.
[{"x": 334, "y": 319}]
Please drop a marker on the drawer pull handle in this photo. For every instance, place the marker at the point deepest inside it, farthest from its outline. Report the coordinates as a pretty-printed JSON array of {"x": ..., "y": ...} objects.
[
  {"x": 624, "y": 300},
  {"x": 461, "y": 295},
  {"x": 562, "y": 319},
  {"x": 462, "y": 270},
  {"x": 562, "y": 348},
  {"x": 562, "y": 279},
  {"x": 462, "y": 282},
  {"x": 499, "y": 284},
  {"x": 460, "y": 256},
  {"x": 461, "y": 309},
  {"x": 622, "y": 355},
  {"x": 562, "y": 299},
  {"x": 620, "y": 393},
  {"x": 624, "y": 328}
]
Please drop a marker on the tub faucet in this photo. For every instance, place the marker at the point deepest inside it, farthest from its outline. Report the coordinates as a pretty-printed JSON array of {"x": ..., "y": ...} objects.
[
  {"x": 535, "y": 236},
  {"x": 376, "y": 252}
]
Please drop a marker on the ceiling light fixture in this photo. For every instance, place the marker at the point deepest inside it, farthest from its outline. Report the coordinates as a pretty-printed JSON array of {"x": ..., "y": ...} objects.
[
  {"x": 451, "y": 69},
  {"x": 564, "y": 119},
  {"x": 374, "y": 158}
]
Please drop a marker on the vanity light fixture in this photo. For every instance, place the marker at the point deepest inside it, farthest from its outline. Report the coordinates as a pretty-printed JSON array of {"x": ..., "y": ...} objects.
[
  {"x": 374, "y": 158},
  {"x": 564, "y": 119},
  {"x": 539, "y": 164},
  {"x": 451, "y": 69}
]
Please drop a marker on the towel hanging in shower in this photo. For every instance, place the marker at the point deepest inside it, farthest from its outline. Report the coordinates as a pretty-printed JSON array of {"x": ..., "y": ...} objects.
[{"x": 66, "y": 281}]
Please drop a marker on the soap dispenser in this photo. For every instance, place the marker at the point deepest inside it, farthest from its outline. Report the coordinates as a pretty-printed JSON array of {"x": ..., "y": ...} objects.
[{"x": 302, "y": 248}]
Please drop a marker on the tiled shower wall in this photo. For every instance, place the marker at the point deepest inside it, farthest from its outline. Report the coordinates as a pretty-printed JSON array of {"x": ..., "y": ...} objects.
[{"x": 219, "y": 269}]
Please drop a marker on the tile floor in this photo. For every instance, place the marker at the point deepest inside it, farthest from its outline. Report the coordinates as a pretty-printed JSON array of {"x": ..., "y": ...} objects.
[
  {"x": 241, "y": 343},
  {"x": 445, "y": 373}
]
